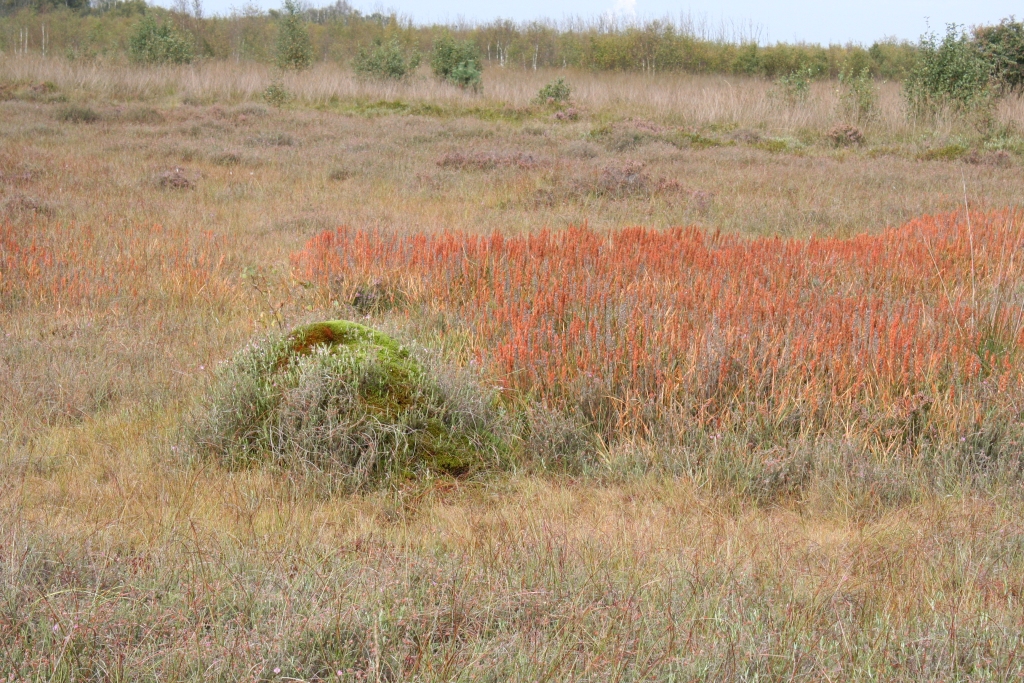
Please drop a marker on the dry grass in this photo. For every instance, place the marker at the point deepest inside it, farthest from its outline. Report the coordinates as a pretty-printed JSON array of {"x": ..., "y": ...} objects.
[
  {"x": 187, "y": 576},
  {"x": 121, "y": 563},
  {"x": 686, "y": 99}
]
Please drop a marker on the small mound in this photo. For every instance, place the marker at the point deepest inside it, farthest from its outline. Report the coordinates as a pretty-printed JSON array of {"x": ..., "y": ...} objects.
[{"x": 345, "y": 400}]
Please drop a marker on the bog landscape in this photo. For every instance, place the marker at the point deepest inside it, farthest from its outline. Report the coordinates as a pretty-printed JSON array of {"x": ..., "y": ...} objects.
[{"x": 335, "y": 347}]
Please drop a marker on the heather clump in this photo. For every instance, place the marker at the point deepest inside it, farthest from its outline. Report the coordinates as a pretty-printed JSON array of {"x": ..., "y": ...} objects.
[
  {"x": 629, "y": 180},
  {"x": 845, "y": 135},
  {"x": 485, "y": 161}
]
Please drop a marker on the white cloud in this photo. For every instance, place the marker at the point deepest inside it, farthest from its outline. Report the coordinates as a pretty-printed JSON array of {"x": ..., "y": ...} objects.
[{"x": 623, "y": 8}]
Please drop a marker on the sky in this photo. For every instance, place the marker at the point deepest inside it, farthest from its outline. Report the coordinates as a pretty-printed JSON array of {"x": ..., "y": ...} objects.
[{"x": 769, "y": 21}]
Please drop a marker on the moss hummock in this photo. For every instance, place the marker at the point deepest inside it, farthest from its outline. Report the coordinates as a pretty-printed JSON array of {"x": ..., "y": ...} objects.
[{"x": 343, "y": 399}]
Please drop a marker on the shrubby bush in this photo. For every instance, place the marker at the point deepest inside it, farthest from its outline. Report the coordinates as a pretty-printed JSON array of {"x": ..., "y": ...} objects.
[
  {"x": 159, "y": 43},
  {"x": 385, "y": 61},
  {"x": 294, "y": 47},
  {"x": 457, "y": 62},
  {"x": 952, "y": 73},
  {"x": 276, "y": 96},
  {"x": 857, "y": 94},
  {"x": 555, "y": 92},
  {"x": 796, "y": 85},
  {"x": 1003, "y": 46}
]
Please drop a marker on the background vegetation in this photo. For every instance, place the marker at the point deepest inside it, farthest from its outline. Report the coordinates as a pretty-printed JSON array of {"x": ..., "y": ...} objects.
[{"x": 338, "y": 33}]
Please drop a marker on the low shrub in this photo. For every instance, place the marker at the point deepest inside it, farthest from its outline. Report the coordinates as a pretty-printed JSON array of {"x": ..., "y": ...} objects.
[
  {"x": 857, "y": 94},
  {"x": 176, "y": 179},
  {"x": 19, "y": 205},
  {"x": 153, "y": 43},
  {"x": 272, "y": 140},
  {"x": 385, "y": 61},
  {"x": 1003, "y": 46},
  {"x": 951, "y": 74},
  {"x": 294, "y": 46},
  {"x": 950, "y": 152},
  {"x": 276, "y": 96},
  {"x": 486, "y": 161},
  {"x": 227, "y": 159},
  {"x": 457, "y": 62},
  {"x": 795, "y": 86},
  {"x": 999, "y": 158},
  {"x": 845, "y": 135},
  {"x": 340, "y": 399},
  {"x": 555, "y": 92}
]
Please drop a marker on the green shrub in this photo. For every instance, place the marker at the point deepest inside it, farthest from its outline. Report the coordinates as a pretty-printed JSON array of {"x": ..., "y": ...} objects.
[
  {"x": 153, "y": 43},
  {"x": 1003, "y": 47},
  {"x": 457, "y": 62},
  {"x": 555, "y": 92},
  {"x": 951, "y": 74},
  {"x": 795, "y": 86},
  {"x": 344, "y": 400},
  {"x": 857, "y": 94},
  {"x": 468, "y": 76},
  {"x": 385, "y": 61},
  {"x": 294, "y": 47},
  {"x": 275, "y": 95}
]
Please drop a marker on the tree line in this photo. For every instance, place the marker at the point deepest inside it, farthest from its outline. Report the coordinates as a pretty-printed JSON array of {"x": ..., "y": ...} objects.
[
  {"x": 961, "y": 68},
  {"x": 338, "y": 32}
]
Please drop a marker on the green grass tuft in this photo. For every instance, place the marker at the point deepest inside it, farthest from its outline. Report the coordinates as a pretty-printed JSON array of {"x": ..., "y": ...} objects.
[{"x": 76, "y": 114}]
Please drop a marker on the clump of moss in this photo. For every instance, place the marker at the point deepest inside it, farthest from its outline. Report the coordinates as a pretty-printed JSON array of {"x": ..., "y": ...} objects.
[
  {"x": 344, "y": 400},
  {"x": 950, "y": 152}
]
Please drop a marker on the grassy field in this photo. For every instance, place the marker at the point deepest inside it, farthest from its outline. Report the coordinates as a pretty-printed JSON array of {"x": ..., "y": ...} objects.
[{"x": 800, "y": 411}]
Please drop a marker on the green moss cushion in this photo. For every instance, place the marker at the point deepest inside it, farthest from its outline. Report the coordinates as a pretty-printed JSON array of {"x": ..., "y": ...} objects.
[{"x": 340, "y": 398}]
